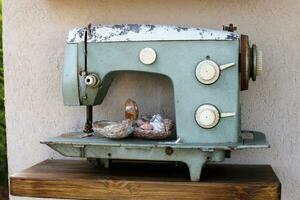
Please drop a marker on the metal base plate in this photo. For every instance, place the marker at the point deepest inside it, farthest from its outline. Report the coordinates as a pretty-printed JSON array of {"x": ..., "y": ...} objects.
[
  {"x": 248, "y": 140},
  {"x": 195, "y": 155}
]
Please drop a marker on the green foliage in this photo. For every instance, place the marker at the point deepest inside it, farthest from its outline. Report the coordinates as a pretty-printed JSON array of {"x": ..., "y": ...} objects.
[{"x": 3, "y": 160}]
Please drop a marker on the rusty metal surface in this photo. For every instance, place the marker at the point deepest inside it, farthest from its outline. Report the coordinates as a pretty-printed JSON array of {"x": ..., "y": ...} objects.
[
  {"x": 146, "y": 32},
  {"x": 244, "y": 62},
  {"x": 88, "y": 128},
  {"x": 229, "y": 28}
]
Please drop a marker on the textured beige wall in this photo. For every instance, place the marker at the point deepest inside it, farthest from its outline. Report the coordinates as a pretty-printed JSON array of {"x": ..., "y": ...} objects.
[{"x": 34, "y": 38}]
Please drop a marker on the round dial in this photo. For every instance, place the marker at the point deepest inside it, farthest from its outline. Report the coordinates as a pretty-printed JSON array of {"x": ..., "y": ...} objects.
[
  {"x": 147, "y": 56},
  {"x": 207, "y": 72},
  {"x": 259, "y": 63},
  {"x": 207, "y": 116}
]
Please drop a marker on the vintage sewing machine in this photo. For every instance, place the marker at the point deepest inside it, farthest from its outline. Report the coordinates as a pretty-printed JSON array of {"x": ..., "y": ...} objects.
[{"x": 207, "y": 68}]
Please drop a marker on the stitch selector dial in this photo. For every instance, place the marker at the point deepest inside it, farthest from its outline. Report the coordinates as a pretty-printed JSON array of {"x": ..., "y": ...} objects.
[
  {"x": 207, "y": 116},
  {"x": 207, "y": 72}
]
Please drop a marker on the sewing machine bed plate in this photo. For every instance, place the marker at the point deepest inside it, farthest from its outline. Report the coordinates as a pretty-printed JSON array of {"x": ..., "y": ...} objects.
[
  {"x": 249, "y": 140},
  {"x": 194, "y": 155}
]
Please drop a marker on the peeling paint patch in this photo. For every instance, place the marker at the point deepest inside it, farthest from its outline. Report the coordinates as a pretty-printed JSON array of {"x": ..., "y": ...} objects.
[
  {"x": 147, "y": 32},
  {"x": 232, "y": 36}
]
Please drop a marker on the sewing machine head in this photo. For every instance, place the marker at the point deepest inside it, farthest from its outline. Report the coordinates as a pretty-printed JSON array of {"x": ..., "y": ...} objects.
[{"x": 207, "y": 69}]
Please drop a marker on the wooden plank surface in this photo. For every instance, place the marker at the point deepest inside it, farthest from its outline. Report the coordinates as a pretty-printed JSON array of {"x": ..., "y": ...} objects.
[{"x": 163, "y": 181}]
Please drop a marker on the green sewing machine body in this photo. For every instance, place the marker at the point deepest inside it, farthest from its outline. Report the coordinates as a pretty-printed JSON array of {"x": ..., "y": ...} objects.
[{"x": 204, "y": 67}]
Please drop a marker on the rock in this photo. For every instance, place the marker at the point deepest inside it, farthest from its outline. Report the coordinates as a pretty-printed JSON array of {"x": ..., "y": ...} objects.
[{"x": 131, "y": 110}]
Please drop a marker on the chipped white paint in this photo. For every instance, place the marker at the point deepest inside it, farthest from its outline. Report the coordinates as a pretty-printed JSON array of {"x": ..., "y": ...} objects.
[{"x": 146, "y": 32}]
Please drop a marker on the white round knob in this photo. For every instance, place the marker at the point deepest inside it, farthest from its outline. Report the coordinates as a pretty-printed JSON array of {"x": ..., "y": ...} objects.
[
  {"x": 259, "y": 63},
  {"x": 207, "y": 116},
  {"x": 92, "y": 80},
  {"x": 207, "y": 72},
  {"x": 147, "y": 56}
]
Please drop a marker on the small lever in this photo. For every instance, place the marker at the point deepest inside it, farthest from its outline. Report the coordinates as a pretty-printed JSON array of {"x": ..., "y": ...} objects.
[
  {"x": 208, "y": 72},
  {"x": 227, "y": 114},
  {"x": 225, "y": 66}
]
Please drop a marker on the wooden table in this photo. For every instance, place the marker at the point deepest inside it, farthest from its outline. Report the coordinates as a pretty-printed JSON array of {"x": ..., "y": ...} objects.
[{"x": 80, "y": 180}]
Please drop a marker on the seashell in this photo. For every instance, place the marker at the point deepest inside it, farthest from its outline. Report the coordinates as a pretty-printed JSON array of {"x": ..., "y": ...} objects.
[
  {"x": 146, "y": 126},
  {"x": 156, "y": 118},
  {"x": 113, "y": 130},
  {"x": 168, "y": 124},
  {"x": 161, "y": 128},
  {"x": 139, "y": 122},
  {"x": 158, "y": 126},
  {"x": 146, "y": 118},
  {"x": 131, "y": 110}
]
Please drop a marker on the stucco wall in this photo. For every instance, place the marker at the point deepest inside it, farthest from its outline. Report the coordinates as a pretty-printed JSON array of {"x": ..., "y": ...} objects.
[{"x": 34, "y": 38}]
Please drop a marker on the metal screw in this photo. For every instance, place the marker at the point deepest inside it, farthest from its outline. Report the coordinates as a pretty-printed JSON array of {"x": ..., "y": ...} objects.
[
  {"x": 169, "y": 150},
  {"x": 82, "y": 73}
]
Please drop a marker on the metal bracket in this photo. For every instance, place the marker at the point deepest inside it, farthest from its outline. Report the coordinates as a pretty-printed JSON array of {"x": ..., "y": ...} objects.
[
  {"x": 230, "y": 28},
  {"x": 81, "y": 149},
  {"x": 88, "y": 127}
]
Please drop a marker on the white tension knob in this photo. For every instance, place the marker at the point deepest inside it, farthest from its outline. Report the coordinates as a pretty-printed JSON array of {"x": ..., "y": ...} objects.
[
  {"x": 208, "y": 72},
  {"x": 147, "y": 56},
  {"x": 208, "y": 116},
  {"x": 92, "y": 80}
]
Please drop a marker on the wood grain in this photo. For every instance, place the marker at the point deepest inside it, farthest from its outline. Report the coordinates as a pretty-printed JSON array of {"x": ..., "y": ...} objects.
[{"x": 134, "y": 181}]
